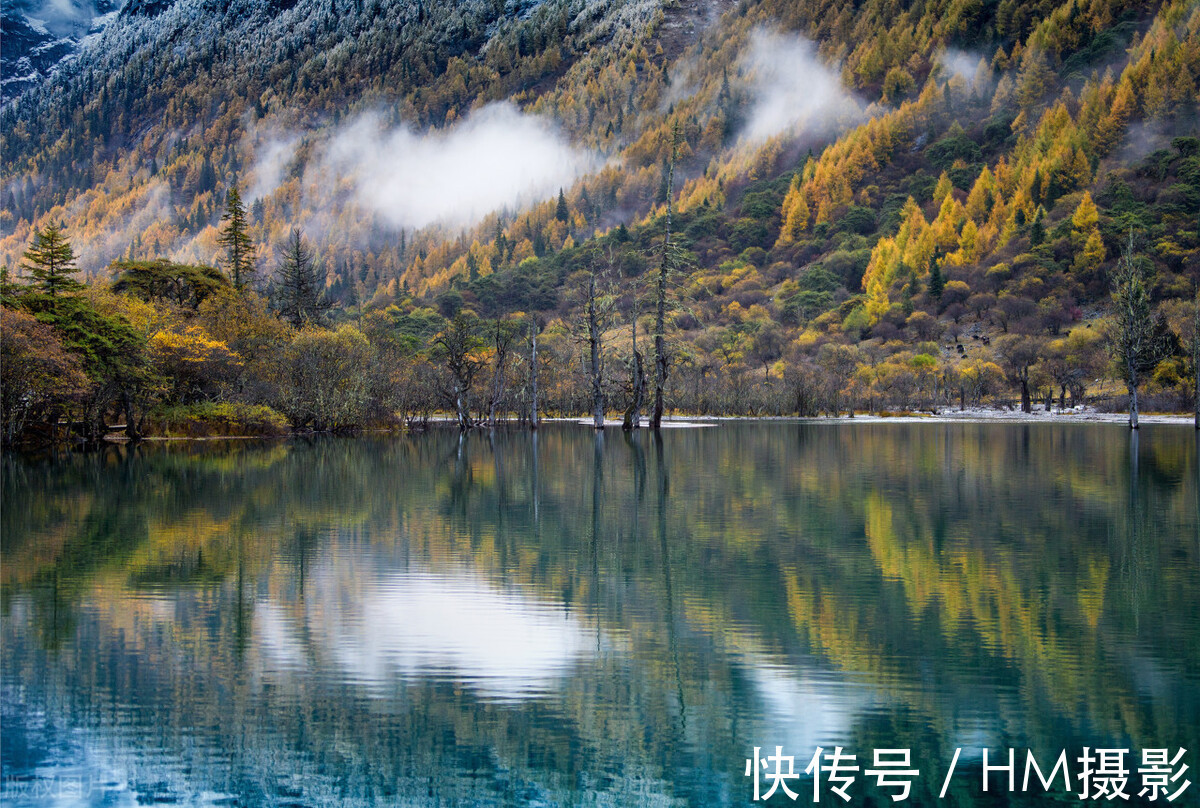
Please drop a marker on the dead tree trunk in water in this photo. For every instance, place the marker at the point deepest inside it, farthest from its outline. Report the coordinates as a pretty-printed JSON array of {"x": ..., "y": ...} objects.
[
  {"x": 1194, "y": 344},
  {"x": 594, "y": 339},
  {"x": 533, "y": 374},
  {"x": 505, "y": 335},
  {"x": 660, "y": 307},
  {"x": 633, "y": 414},
  {"x": 456, "y": 344}
]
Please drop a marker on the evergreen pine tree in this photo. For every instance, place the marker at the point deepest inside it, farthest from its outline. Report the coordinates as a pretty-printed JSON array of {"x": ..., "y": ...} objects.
[
  {"x": 239, "y": 249},
  {"x": 1037, "y": 231},
  {"x": 8, "y": 290},
  {"x": 301, "y": 295},
  {"x": 51, "y": 261},
  {"x": 1132, "y": 335},
  {"x": 561, "y": 211},
  {"x": 936, "y": 281}
]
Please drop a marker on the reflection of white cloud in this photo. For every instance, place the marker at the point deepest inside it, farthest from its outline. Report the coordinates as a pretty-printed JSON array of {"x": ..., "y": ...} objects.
[
  {"x": 276, "y": 637},
  {"x": 804, "y": 709},
  {"x": 451, "y": 625}
]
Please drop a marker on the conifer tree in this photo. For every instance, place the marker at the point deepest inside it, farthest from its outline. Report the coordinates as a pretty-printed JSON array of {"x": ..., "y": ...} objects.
[
  {"x": 239, "y": 249},
  {"x": 561, "y": 211},
  {"x": 1132, "y": 337},
  {"x": 1037, "y": 231},
  {"x": 51, "y": 261},
  {"x": 301, "y": 294},
  {"x": 937, "y": 283}
]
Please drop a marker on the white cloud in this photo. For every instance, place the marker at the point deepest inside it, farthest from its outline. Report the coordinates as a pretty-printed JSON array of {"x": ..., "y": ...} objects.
[
  {"x": 793, "y": 91},
  {"x": 271, "y": 158},
  {"x": 498, "y": 157}
]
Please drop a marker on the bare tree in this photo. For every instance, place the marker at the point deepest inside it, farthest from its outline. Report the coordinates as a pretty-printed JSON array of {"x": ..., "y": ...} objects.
[
  {"x": 1193, "y": 344},
  {"x": 457, "y": 347},
  {"x": 533, "y": 373},
  {"x": 1018, "y": 354},
  {"x": 637, "y": 381},
  {"x": 504, "y": 335},
  {"x": 661, "y": 361},
  {"x": 600, "y": 303}
]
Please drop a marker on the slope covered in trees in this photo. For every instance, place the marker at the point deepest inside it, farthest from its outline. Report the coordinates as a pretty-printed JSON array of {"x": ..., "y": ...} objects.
[{"x": 875, "y": 205}]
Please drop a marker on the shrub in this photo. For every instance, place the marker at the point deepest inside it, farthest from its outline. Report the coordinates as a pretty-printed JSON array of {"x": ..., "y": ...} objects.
[{"x": 216, "y": 419}]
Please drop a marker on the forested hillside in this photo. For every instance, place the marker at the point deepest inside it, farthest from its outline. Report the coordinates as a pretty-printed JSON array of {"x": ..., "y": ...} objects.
[{"x": 840, "y": 205}]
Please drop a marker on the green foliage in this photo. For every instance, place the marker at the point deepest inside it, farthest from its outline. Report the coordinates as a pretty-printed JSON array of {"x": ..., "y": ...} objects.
[
  {"x": 300, "y": 294},
  {"x": 183, "y": 284},
  {"x": 50, "y": 261},
  {"x": 239, "y": 249},
  {"x": 857, "y": 219},
  {"x": 937, "y": 281},
  {"x": 110, "y": 349},
  {"x": 38, "y": 376},
  {"x": 217, "y": 419},
  {"x": 327, "y": 380},
  {"x": 956, "y": 145}
]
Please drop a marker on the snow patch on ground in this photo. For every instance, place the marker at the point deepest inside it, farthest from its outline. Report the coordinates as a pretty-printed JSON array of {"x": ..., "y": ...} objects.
[
  {"x": 975, "y": 414},
  {"x": 667, "y": 423}
]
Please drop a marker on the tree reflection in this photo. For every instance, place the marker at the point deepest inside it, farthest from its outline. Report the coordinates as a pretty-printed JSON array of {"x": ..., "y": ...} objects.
[{"x": 438, "y": 611}]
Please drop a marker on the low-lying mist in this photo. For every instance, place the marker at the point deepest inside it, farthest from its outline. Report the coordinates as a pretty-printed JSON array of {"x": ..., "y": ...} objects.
[
  {"x": 793, "y": 91},
  {"x": 498, "y": 157}
]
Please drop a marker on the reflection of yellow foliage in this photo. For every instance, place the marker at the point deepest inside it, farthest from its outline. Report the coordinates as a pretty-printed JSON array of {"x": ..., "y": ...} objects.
[{"x": 1092, "y": 590}]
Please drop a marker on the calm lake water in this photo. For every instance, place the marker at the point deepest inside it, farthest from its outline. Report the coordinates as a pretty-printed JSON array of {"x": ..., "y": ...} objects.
[{"x": 573, "y": 619}]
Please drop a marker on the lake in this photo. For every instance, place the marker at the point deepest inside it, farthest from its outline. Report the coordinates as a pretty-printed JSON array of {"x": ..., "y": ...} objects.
[{"x": 581, "y": 619}]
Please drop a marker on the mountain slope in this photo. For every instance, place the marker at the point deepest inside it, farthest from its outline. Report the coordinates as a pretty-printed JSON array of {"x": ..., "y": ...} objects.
[{"x": 863, "y": 175}]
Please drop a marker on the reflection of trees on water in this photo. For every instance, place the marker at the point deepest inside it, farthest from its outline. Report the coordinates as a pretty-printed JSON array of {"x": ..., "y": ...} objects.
[{"x": 956, "y": 575}]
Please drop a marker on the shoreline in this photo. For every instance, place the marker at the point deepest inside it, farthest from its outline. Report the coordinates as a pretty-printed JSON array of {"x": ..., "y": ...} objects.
[{"x": 955, "y": 416}]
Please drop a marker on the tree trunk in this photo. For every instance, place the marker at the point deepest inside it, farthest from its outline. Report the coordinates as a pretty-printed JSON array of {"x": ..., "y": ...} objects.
[
  {"x": 660, "y": 310},
  {"x": 533, "y": 374},
  {"x": 1026, "y": 404},
  {"x": 1196, "y": 361},
  {"x": 594, "y": 344},
  {"x": 660, "y": 351},
  {"x": 1133, "y": 406},
  {"x": 633, "y": 414},
  {"x": 131, "y": 427},
  {"x": 464, "y": 417}
]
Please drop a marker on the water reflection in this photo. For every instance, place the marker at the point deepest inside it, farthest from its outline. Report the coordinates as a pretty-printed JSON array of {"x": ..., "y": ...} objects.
[
  {"x": 577, "y": 617},
  {"x": 378, "y": 624}
]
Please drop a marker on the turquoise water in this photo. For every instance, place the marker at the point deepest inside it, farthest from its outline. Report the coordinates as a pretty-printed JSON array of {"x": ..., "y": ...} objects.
[{"x": 581, "y": 619}]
